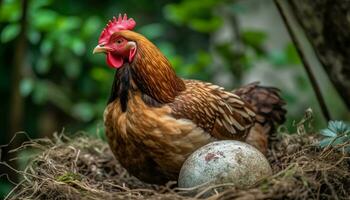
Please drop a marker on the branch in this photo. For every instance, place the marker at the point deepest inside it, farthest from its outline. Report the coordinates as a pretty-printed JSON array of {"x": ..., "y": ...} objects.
[{"x": 306, "y": 64}]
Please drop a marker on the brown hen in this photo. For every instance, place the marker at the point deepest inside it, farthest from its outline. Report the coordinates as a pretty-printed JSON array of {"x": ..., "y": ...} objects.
[{"x": 154, "y": 119}]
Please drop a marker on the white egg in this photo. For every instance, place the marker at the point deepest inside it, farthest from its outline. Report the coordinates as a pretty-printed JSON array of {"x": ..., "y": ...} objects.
[{"x": 225, "y": 161}]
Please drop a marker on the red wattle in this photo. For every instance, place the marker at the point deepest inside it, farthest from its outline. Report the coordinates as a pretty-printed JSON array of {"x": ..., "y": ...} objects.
[
  {"x": 114, "y": 61},
  {"x": 132, "y": 53}
]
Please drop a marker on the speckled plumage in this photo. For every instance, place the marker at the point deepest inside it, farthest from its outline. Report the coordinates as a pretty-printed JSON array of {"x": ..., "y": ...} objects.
[
  {"x": 154, "y": 119},
  {"x": 220, "y": 113}
]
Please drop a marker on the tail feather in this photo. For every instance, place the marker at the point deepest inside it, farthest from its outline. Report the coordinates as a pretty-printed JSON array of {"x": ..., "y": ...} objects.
[
  {"x": 266, "y": 102},
  {"x": 268, "y": 105}
]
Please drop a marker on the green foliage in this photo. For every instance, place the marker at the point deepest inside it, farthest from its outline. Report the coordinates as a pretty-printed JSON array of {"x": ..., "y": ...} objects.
[
  {"x": 9, "y": 32},
  {"x": 254, "y": 38},
  {"x": 337, "y": 133},
  {"x": 10, "y": 11},
  {"x": 197, "y": 16},
  {"x": 59, "y": 57},
  {"x": 288, "y": 56},
  {"x": 152, "y": 31}
]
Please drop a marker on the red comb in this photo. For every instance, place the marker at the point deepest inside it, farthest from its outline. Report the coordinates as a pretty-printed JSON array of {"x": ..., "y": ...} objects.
[{"x": 115, "y": 25}]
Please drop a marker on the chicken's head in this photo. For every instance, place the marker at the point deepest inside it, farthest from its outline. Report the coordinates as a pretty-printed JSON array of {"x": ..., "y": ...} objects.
[{"x": 117, "y": 48}]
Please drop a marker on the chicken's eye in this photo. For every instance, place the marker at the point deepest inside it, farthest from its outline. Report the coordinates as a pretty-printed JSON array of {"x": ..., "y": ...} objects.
[{"x": 119, "y": 41}]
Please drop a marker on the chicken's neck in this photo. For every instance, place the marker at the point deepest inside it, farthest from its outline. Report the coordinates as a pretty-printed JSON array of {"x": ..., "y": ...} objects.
[
  {"x": 121, "y": 86},
  {"x": 152, "y": 73}
]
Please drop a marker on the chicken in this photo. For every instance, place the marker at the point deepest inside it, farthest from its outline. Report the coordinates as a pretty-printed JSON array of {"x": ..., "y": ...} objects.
[{"x": 154, "y": 119}]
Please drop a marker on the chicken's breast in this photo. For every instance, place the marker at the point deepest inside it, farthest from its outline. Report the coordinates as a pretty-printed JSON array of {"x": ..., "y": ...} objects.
[{"x": 149, "y": 141}]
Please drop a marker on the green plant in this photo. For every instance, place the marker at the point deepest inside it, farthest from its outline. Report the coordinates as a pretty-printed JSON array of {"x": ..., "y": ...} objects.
[{"x": 336, "y": 134}]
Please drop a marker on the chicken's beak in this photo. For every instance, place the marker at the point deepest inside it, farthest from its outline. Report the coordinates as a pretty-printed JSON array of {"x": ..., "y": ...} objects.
[{"x": 99, "y": 49}]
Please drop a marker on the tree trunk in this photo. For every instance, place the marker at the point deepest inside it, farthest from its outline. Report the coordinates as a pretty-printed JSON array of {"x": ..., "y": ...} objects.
[
  {"x": 16, "y": 105},
  {"x": 327, "y": 24}
]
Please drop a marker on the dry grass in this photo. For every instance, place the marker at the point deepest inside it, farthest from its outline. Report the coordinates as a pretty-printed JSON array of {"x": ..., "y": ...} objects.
[{"x": 84, "y": 168}]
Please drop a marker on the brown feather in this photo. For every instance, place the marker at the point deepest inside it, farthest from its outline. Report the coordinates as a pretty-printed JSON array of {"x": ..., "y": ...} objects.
[
  {"x": 149, "y": 143},
  {"x": 268, "y": 105},
  {"x": 224, "y": 120},
  {"x": 266, "y": 102},
  {"x": 152, "y": 71}
]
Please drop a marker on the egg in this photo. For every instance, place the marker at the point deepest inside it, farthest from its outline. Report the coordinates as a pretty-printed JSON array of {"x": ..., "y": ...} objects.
[{"x": 226, "y": 161}]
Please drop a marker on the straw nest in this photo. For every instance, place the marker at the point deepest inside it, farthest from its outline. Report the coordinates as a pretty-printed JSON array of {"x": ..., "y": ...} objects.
[{"x": 84, "y": 168}]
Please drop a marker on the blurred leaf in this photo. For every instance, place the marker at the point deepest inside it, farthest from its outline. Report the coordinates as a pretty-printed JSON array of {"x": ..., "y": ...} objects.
[
  {"x": 278, "y": 57},
  {"x": 66, "y": 24},
  {"x": 46, "y": 46},
  {"x": 26, "y": 87},
  {"x": 236, "y": 60},
  {"x": 166, "y": 48},
  {"x": 83, "y": 111},
  {"x": 44, "y": 19},
  {"x": 152, "y": 31},
  {"x": 197, "y": 68},
  {"x": 43, "y": 65},
  {"x": 10, "y": 32},
  {"x": 287, "y": 56},
  {"x": 224, "y": 50},
  {"x": 72, "y": 68},
  {"x": 177, "y": 63},
  {"x": 78, "y": 46},
  {"x": 34, "y": 36},
  {"x": 206, "y": 26},
  {"x": 91, "y": 26},
  {"x": 292, "y": 54},
  {"x": 203, "y": 58},
  {"x": 40, "y": 92},
  {"x": 99, "y": 74},
  {"x": 10, "y": 11},
  {"x": 39, "y": 3},
  {"x": 254, "y": 38},
  {"x": 190, "y": 9},
  {"x": 65, "y": 40},
  {"x": 198, "y": 16}
]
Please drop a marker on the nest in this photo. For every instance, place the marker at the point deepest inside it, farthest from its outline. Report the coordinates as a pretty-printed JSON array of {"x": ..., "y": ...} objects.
[{"x": 84, "y": 168}]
